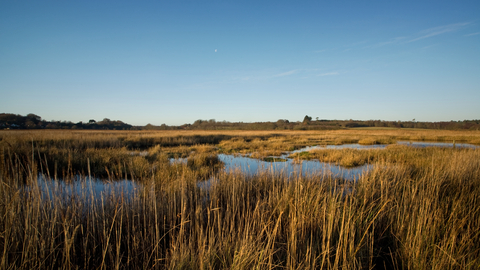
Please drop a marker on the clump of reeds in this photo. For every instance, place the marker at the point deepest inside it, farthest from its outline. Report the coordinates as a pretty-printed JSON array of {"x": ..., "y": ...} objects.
[
  {"x": 204, "y": 164},
  {"x": 377, "y": 140},
  {"x": 343, "y": 157},
  {"x": 345, "y": 140}
]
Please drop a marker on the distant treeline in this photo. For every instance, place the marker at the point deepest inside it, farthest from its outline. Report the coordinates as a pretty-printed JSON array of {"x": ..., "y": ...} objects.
[
  {"x": 32, "y": 121},
  {"x": 322, "y": 124}
]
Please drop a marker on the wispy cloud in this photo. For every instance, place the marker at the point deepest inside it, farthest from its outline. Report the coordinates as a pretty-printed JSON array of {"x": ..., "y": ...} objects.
[
  {"x": 391, "y": 41},
  {"x": 473, "y": 34},
  {"x": 431, "y": 32},
  {"x": 288, "y": 73},
  {"x": 439, "y": 30},
  {"x": 328, "y": 74}
]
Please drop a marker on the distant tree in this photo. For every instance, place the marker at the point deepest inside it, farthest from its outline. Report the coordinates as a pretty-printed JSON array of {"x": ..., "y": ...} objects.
[
  {"x": 91, "y": 121},
  {"x": 106, "y": 121},
  {"x": 307, "y": 119},
  {"x": 149, "y": 126},
  {"x": 34, "y": 117},
  {"x": 198, "y": 122}
]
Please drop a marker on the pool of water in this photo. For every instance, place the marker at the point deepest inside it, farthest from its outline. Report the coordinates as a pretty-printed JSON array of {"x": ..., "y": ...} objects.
[
  {"x": 438, "y": 144},
  {"x": 96, "y": 189},
  {"x": 344, "y": 146},
  {"x": 93, "y": 190},
  {"x": 382, "y": 146},
  {"x": 254, "y": 166},
  {"x": 86, "y": 189},
  {"x": 290, "y": 166}
]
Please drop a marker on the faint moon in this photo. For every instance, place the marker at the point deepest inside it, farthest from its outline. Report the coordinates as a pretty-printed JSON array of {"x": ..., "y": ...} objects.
[{"x": 215, "y": 50}]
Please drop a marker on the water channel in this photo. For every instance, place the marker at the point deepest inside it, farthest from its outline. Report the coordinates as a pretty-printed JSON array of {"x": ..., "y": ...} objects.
[{"x": 96, "y": 188}]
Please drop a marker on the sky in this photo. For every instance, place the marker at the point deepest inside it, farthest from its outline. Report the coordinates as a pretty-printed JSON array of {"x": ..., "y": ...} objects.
[{"x": 173, "y": 62}]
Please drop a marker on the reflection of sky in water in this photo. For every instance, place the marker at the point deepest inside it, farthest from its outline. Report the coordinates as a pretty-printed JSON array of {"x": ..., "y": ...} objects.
[
  {"x": 253, "y": 166},
  {"x": 343, "y": 146},
  {"x": 382, "y": 146},
  {"x": 438, "y": 144},
  {"x": 85, "y": 188}
]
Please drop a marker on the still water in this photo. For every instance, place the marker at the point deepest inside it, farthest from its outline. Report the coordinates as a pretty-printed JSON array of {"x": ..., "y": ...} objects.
[
  {"x": 382, "y": 146},
  {"x": 95, "y": 188},
  {"x": 438, "y": 144},
  {"x": 86, "y": 189},
  {"x": 253, "y": 166}
]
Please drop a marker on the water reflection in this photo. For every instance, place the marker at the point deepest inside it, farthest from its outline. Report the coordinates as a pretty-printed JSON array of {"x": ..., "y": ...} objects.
[
  {"x": 87, "y": 189},
  {"x": 94, "y": 189},
  {"x": 342, "y": 146},
  {"x": 382, "y": 146},
  {"x": 438, "y": 144},
  {"x": 253, "y": 166}
]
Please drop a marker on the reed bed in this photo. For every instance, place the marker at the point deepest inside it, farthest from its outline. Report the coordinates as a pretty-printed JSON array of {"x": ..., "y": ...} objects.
[
  {"x": 144, "y": 139},
  {"x": 397, "y": 154},
  {"x": 417, "y": 209}
]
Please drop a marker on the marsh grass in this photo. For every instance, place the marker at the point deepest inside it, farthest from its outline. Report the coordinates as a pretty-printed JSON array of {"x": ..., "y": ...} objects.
[
  {"x": 392, "y": 154},
  {"x": 204, "y": 164},
  {"x": 417, "y": 209},
  {"x": 377, "y": 140},
  {"x": 391, "y": 218}
]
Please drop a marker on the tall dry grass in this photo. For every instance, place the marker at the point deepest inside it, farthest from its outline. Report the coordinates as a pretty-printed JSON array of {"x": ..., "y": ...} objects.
[{"x": 417, "y": 209}]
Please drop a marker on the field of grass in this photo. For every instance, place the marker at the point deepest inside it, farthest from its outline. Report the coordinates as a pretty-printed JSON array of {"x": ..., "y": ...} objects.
[{"x": 418, "y": 208}]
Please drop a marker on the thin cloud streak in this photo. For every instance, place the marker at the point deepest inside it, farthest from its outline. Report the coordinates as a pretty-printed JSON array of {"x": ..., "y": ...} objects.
[
  {"x": 439, "y": 30},
  {"x": 472, "y": 34},
  {"x": 288, "y": 73},
  {"x": 391, "y": 41},
  {"x": 435, "y": 31},
  {"x": 328, "y": 74}
]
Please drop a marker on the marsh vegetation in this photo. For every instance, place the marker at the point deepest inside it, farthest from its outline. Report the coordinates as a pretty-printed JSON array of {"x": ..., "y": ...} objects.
[{"x": 417, "y": 208}]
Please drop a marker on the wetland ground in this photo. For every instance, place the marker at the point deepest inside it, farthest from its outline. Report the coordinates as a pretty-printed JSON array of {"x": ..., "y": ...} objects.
[{"x": 415, "y": 208}]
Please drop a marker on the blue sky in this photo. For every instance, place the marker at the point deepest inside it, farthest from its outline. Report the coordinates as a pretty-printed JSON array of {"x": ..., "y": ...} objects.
[{"x": 174, "y": 62}]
